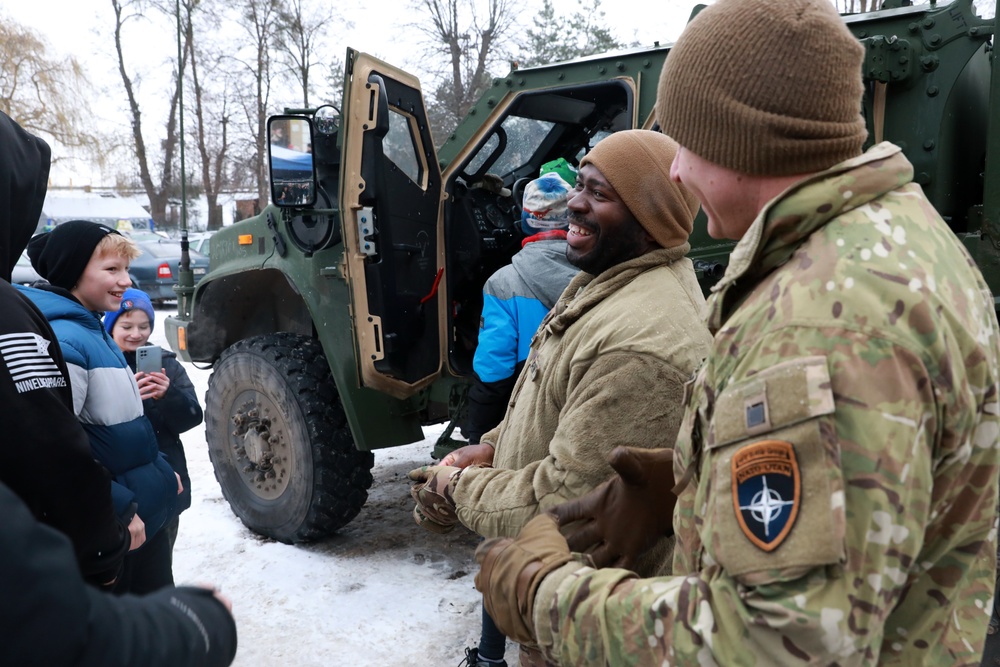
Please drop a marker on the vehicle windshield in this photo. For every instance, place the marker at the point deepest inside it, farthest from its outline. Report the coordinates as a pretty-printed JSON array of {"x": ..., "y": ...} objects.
[
  {"x": 523, "y": 135},
  {"x": 566, "y": 122}
]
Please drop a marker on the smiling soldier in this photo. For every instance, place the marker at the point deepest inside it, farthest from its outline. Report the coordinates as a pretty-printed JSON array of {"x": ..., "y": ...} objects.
[{"x": 607, "y": 365}]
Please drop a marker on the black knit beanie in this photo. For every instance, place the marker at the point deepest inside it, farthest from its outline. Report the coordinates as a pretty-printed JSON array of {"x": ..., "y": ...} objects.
[
  {"x": 60, "y": 256},
  {"x": 765, "y": 88}
]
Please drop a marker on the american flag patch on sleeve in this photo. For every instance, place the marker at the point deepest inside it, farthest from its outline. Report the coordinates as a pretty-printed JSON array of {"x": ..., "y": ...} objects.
[{"x": 26, "y": 356}]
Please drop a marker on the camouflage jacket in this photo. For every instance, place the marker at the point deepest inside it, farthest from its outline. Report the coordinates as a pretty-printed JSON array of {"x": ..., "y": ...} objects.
[{"x": 841, "y": 447}]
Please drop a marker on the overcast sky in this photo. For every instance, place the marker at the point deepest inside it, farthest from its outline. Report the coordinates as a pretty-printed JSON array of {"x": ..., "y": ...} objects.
[
  {"x": 83, "y": 28},
  {"x": 70, "y": 25}
]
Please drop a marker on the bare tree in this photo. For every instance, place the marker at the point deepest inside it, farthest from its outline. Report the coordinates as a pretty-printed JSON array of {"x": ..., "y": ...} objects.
[
  {"x": 555, "y": 38},
  {"x": 258, "y": 19},
  {"x": 472, "y": 35},
  {"x": 158, "y": 193},
  {"x": 299, "y": 35},
  {"x": 854, "y": 6},
  {"x": 334, "y": 89},
  {"x": 211, "y": 111},
  {"x": 47, "y": 97}
]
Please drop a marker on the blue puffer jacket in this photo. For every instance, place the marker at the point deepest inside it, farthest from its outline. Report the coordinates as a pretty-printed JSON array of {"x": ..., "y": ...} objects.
[
  {"x": 106, "y": 400},
  {"x": 515, "y": 301}
]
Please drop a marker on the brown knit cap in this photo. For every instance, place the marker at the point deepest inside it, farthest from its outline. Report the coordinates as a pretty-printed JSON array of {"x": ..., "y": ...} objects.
[
  {"x": 765, "y": 88},
  {"x": 636, "y": 163}
]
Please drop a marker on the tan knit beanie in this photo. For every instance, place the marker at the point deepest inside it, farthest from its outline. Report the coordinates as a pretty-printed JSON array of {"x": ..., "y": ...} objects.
[
  {"x": 636, "y": 163},
  {"x": 765, "y": 88}
]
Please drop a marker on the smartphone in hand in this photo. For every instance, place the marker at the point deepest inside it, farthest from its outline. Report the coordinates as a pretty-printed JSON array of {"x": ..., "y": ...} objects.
[{"x": 149, "y": 359}]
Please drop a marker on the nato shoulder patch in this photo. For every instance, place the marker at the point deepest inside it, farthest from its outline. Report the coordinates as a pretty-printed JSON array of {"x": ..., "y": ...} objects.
[{"x": 766, "y": 491}]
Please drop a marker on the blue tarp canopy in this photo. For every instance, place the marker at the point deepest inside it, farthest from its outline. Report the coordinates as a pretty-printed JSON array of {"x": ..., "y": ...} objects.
[{"x": 286, "y": 163}]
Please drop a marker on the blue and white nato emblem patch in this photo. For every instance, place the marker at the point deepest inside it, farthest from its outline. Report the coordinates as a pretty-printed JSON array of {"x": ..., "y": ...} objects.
[{"x": 766, "y": 491}]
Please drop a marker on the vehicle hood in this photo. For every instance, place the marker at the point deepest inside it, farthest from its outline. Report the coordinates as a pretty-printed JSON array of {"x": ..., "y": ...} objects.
[{"x": 24, "y": 175}]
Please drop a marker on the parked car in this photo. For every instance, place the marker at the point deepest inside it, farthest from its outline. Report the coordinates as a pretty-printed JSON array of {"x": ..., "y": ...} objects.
[
  {"x": 199, "y": 242},
  {"x": 24, "y": 273},
  {"x": 155, "y": 270}
]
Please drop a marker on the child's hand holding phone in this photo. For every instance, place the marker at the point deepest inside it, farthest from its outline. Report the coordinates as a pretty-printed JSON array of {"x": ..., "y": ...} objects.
[{"x": 153, "y": 382}]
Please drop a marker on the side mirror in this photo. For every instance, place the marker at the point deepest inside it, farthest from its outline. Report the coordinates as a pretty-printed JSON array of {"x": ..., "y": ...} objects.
[{"x": 292, "y": 175}]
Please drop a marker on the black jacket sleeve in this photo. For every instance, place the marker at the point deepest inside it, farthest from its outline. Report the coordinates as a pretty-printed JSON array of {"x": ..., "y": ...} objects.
[
  {"x": 176, "y": 412},
  {"x": 488, "y": 404},
  {"x": 51, "y": 618},
  {"x": 46, "y": 452},
  {"x": 179, "y": 410}
]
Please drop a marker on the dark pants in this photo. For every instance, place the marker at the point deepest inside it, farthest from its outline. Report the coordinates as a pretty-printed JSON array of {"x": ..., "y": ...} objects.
[
  {"x": 148, "y": 568},
  {"x": 492, "y": 642},
  {"x": 171, "y": 530},
  {"x": 991, "y": 652}
]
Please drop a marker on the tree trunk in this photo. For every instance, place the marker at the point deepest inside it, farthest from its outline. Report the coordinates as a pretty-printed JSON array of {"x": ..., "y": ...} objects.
[{"x": 158, "y": 195}]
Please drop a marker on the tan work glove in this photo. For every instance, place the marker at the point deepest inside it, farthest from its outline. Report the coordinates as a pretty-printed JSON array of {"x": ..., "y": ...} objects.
[
  {"x": 435, "y": 509},
  {"x": 625, "y": 516},
  {"x": 511, "y": 570}
]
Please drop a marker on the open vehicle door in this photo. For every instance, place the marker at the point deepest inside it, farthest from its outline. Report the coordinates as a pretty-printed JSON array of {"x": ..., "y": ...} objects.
[{"x": 390, "y": 201}]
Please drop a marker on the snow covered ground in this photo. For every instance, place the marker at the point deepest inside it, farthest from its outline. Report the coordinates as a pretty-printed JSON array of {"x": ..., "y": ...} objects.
[{"x": 383, "y": 591}]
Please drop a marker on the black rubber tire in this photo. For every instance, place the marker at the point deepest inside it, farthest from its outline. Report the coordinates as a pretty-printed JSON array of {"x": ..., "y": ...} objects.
[{"x": 318, "y": 481}]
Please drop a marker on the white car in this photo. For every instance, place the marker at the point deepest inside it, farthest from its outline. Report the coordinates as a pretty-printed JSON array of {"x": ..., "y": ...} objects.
[
  {"x": 23, "y": 272},
  {"x": 199, "y": 242}
]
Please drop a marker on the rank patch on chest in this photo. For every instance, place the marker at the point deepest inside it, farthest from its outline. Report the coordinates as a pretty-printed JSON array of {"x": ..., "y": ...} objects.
[{"x": 766, "y": 491}]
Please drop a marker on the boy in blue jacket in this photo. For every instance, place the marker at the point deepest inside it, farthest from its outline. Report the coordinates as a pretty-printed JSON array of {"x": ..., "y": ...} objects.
[
  {"x": 86, "y": 264},
  {"x": 46, "y": 453}
]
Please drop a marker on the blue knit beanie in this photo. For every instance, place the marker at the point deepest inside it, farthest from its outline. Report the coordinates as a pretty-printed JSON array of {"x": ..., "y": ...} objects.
[{"x": 132, "y": 299}]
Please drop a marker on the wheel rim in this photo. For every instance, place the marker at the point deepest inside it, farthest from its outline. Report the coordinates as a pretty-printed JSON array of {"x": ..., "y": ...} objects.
[{"x": 258, "y": 445}]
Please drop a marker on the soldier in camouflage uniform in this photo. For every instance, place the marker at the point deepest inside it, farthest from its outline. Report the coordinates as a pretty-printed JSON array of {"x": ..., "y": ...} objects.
[{"x": 838, "y": 460}]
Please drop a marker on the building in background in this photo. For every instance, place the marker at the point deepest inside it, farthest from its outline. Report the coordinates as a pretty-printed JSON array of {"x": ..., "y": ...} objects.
[{"x": 122, "y": 213}]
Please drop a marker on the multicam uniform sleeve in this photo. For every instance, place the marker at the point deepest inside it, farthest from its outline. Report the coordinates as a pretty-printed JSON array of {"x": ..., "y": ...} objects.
[{"x": 843, "y": 513}]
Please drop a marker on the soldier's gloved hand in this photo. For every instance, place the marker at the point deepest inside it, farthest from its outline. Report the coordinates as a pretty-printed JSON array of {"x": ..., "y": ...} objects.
[
  {"x": 435, "y": 509},
  {"x": 511, "y": 570},
  {"x": 625, "y": 516}
]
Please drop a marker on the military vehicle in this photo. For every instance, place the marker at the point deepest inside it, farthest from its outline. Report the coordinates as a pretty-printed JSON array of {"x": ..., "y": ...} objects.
[{"x": 344, "y": 317}]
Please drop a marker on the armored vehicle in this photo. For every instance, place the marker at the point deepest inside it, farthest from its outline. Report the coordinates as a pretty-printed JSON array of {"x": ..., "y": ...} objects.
[{"x": 344, "y": 317}]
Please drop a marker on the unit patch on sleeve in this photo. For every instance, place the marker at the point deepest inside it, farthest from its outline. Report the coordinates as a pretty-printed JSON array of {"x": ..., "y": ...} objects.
[
  {"x": 26, "y": 356},
  {"x": 766, "y": 491}
]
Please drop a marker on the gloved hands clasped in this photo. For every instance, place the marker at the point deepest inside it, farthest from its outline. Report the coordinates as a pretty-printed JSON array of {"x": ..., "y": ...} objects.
[
  {"x": 625, "y": 516},
  {"x": 511, "y": 570},
  {"x": 435, "y": 509},
  {"x": 611, "y": 526}
]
